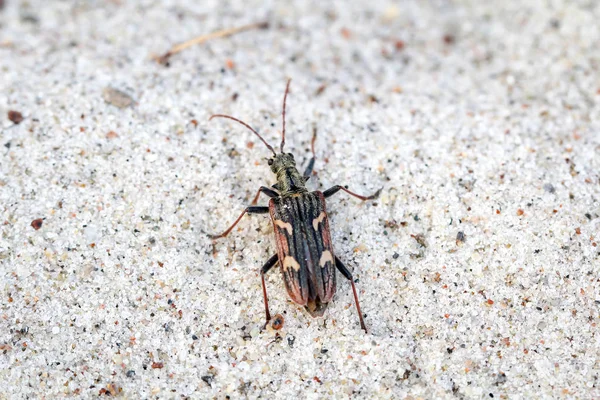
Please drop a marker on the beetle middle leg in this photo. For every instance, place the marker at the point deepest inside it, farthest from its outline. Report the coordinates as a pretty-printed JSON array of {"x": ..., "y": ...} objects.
[
  {"x": 268, "y": 265},
  {"x": 333, "y": 190},
  {"x": 249, "y": 210},
  {"x": 348, "y": 275}
]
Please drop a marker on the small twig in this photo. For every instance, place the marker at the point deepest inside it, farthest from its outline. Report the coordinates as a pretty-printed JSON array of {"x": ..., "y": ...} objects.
[{"x": 203, "y": 38}]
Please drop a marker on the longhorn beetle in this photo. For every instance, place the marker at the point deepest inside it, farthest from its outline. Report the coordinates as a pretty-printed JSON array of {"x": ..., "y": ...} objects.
[{"x": 304, "y": 249}]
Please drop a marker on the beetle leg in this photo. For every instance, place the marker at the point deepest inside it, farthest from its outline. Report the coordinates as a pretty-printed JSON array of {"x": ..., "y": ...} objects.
[
  {"x": 309, "y": 169},
  {"x": 348, "y": 275},
  {"x": 311, "y": 164},
  {"x": 249, "y": 210},
  {"x": 269, "y": 192},
  {"x": 268, "y": 265},
  {"x": 333, "y": 190}
]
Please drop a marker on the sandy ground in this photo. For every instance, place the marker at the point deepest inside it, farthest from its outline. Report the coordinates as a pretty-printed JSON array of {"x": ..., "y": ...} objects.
[{"x": 477, "y": 268}]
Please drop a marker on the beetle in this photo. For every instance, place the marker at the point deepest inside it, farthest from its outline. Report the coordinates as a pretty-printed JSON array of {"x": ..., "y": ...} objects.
[{"x": 304, "y": 250}]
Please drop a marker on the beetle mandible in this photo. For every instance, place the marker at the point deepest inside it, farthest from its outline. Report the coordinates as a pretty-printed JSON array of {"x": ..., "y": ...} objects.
[{"x": 304, "y": 249}]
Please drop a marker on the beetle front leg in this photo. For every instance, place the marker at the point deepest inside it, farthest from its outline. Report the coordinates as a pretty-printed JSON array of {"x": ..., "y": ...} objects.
[
  {"x": 263, "y": 189},
  {"x": 348, "y": 275},
  {"x": 268, "y": 265},
  {"x": 249, "y": 210},
  {"x": 311, "y": 164},
  {"x": 333, "y": 190}
]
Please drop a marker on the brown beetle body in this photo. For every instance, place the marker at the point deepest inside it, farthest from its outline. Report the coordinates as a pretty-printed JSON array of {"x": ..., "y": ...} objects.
[{"x": 304, "y": 249}]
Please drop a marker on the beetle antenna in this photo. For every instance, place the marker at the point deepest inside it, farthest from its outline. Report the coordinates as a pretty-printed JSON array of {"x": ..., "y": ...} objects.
[
  {"x": 287, "y": 89},
  {"x": 247, "y": 126}
]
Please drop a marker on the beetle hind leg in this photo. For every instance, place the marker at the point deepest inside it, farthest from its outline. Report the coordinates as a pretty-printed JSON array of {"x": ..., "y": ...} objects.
[
  {"x": 348, "y": 275},
  {"x": 268, "y": 265}
]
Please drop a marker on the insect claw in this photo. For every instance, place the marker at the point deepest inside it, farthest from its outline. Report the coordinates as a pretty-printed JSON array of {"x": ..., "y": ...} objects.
[
  {"x": 210, "y": 235},
  {"x": 376, "y": 194},
  {"x": 264, "y": 326}
]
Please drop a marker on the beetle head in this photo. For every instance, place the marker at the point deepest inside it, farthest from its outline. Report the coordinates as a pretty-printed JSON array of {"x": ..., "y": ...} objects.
[{"x": 281, "y": 161}]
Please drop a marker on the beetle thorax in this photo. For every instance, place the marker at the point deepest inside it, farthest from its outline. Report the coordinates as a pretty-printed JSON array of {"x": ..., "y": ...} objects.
[{"x": 289, "y": 180}]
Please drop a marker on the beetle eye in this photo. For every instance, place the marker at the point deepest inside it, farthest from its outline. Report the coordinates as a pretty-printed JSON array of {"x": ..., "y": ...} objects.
[
  {"x": 291, "y": 155},
  {"x": 270, "y": 162}
]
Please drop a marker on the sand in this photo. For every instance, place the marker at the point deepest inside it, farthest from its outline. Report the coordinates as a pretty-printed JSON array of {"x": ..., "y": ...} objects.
[{"x": 477, "y": 267}]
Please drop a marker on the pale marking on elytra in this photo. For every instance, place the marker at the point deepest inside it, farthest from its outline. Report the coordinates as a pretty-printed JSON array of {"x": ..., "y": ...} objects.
[
  {"x": 290, "y": 262},
  {"x": 284, "y": 225},
  {"x": 325, "y": 257},
  {"x": 318, "y": 220}
]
